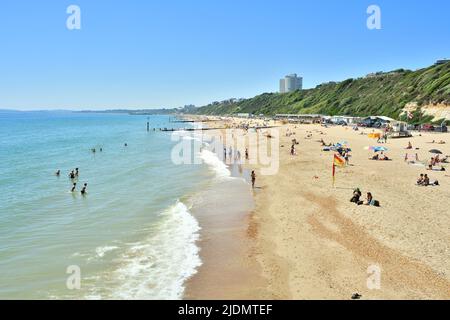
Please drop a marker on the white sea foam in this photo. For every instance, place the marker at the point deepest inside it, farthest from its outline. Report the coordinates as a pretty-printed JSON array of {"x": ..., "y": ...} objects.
[
  {"x": 158, "y": 267},
  {"x": 213, "y": 161},
  {"x": 101, "y": 251},
  {"x": 192, "y": 138}
]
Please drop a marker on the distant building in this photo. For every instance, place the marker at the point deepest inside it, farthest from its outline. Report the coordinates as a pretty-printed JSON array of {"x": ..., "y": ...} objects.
[
  {"x": 291, "y": 83},
  {"x": 300, "y": 118},
  {"x": 347, "y": 119},
  {"x": 443, "y": 61}
]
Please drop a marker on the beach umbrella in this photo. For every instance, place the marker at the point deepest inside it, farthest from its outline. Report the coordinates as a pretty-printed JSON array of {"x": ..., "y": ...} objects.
[
  {"x": 379, "y": 149},
  {"x": 435, "y": 151}
]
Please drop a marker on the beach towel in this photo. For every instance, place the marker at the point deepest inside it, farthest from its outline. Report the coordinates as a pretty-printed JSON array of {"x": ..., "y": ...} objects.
[{"x": 374, "y": 135}]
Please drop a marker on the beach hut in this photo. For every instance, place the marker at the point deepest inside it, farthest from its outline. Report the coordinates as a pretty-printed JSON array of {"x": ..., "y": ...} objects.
[{"x": 399, "y": 129}]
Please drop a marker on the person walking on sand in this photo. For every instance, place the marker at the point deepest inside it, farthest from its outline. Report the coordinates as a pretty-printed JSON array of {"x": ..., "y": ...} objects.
[
  {"x": 253, "y": 179},
  {"x": 246, "y": 154},
  {"x": 73, "y": 187}
]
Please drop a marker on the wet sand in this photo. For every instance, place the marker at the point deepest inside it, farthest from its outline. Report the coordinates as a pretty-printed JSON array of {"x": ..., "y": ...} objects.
[{"x": 226, "y": 272}]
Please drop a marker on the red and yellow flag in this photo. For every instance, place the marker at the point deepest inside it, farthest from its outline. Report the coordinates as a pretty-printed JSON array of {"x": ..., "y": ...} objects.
[{"x": 337, "y": 161}]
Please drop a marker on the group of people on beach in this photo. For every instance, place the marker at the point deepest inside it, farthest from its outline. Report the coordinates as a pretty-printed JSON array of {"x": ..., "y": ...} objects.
[
  {"x": 424, "y": 181},
  {"x": 234, "y": 152},
  {"x": 380, "y": 156},
  {"x": 370, "y": 201},
  {"x": 435, "y": 161}
]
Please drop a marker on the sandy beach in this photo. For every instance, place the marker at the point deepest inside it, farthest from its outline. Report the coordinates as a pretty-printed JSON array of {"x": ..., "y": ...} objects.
[{"x": 306, "y": 240}]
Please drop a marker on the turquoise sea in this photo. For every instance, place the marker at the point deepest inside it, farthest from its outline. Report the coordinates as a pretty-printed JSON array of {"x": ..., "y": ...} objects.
[{"x": 132, "y": 236}]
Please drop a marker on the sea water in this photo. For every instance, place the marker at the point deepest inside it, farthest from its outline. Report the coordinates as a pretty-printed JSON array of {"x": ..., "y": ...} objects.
[{"x": 132, "y": 236}]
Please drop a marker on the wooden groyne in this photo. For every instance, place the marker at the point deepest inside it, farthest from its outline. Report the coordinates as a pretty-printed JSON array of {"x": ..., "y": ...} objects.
[
  {"x": 189, "y": 129},
  {"x": 190, "y": 121},
  {"x": 209, "y": 128}
]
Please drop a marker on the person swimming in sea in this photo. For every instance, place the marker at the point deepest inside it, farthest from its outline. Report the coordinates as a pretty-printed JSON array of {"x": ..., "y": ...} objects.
[
  {"x": 76, "y": 172},
  {"x": 58, "y": 173},
  {"x": 83, "y": 191},
  {"x": 72, "y": 175},
  {"x": 73, "y": 187}
]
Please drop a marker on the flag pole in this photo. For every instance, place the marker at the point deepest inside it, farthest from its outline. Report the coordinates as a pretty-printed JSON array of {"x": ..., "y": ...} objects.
[{"x": 334, "y": 173}]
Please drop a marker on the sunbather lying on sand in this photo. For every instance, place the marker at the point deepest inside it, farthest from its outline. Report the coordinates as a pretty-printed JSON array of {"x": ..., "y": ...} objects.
[
  {"x": 439, "y": 142},
  {"x": 381, "y": 157}
]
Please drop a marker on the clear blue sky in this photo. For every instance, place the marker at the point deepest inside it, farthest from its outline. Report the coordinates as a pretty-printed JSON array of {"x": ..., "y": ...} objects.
[{"x": 146, "y": 54}]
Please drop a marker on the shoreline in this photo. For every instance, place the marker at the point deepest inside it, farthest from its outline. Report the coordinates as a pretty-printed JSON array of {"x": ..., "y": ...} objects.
[
  {"x": 226, "y": 272},
  {"x": 229, "y": 246},
  {"x": 309, "y": 242}
]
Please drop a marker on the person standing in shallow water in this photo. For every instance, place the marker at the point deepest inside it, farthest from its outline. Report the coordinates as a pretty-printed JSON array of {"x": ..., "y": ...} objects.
[
  {"x": 83, "y": 191},
  {"x": 73, "y": 187},
  {"x": 253, "y": 179}
]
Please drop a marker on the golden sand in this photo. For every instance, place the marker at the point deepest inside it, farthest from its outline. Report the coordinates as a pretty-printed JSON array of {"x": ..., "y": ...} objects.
[{"x": 310, "y": 242}]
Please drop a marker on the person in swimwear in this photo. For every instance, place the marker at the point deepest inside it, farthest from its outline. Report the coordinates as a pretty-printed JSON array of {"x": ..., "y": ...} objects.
[{"x": 83, "y": 191}]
